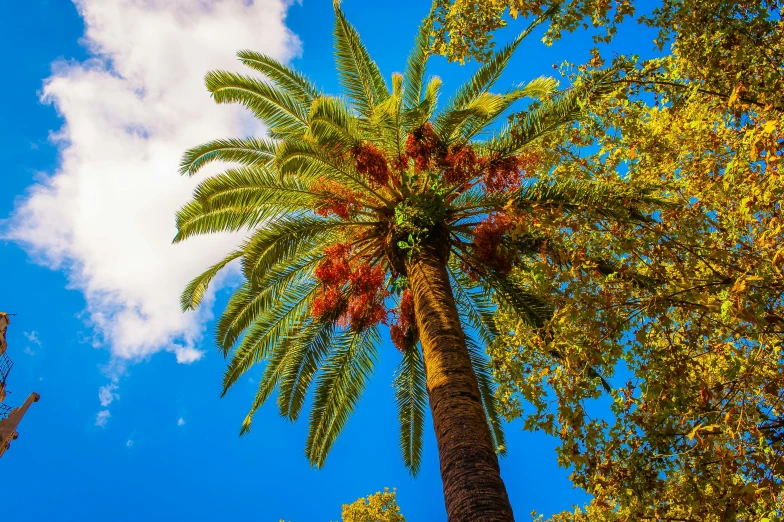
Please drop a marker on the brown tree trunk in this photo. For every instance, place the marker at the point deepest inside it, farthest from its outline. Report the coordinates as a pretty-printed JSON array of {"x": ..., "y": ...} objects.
[{"x": 473, "y": 489}]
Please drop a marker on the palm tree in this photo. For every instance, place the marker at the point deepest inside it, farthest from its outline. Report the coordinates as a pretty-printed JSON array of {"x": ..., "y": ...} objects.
[{"x": 374, "y": 208}]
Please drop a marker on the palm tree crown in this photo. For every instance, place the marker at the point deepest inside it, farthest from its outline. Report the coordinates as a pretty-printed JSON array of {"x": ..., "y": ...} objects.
[{"x": 342, "y": 194}]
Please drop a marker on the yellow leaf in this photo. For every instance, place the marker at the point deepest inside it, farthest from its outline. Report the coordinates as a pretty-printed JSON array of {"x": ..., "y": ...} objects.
[
  {"x": 693, "y": 432},
  {"x": 733, "y": 97},
  {"x": 778, "y": 257},
  {"x": 769, "y": 127}
]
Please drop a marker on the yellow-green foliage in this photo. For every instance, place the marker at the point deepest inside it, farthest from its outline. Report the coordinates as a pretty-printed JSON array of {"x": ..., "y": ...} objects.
[
  {"x": 379, "y": 507},
  {"x": 684, "y": 315}
]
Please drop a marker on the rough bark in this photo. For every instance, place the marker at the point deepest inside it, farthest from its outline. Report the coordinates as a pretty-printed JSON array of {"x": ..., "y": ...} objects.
[{"x": 473, "y": 489}]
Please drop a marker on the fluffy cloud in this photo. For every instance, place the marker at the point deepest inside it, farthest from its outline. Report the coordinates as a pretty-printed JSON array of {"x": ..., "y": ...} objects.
[
  {"x": 180, "y": 422},
  {"x": 102, "y": 418},
  {"x": 106, "y": 216},
  {"x": 106, "y": 394},
  {"x": 32, "y": 337}
]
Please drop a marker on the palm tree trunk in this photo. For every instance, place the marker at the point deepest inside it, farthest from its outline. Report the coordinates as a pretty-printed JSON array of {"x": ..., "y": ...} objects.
[{"x": 473, "y": 489}]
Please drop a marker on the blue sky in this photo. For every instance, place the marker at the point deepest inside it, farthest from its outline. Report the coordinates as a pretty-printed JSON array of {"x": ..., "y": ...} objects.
[{"x": 129, "y": 426}]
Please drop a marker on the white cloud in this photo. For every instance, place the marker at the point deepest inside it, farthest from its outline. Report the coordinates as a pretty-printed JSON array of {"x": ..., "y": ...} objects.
[
  {"x": 33, "y": 337},
  {"x": 128, "y": 443},
  {"x": 106, "y": 394},
  {"x": 180, "y": 422},
  {"x": 102, "y": 418},
  {"x": 106, "y": 215}
]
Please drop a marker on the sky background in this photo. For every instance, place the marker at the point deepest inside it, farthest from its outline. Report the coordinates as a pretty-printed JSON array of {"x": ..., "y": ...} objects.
[{"x": 101, "y": 98}]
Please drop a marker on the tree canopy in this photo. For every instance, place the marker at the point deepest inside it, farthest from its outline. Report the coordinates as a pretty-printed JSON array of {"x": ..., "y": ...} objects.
[{"x": 683, "y": 315}]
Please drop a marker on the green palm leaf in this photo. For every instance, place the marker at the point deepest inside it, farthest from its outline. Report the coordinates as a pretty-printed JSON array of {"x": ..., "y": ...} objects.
[
  {"x": 340, "y": 383},
  {"x": 308, "y": 352},
  {"x": 194, "y": 292},
  {"x": 416, "y": 66},
  {"x": 487, "y": 392},
  {"x": 411, "y": 399},
  {"x": 287, "y": 79},
  {"x": 268, "y": 328},
  {"x": 248, "y": 151},
  {"x": 277, "y": 109},
  {"x": 359, "y": 75},
  {"x": 274, "y": 367}
]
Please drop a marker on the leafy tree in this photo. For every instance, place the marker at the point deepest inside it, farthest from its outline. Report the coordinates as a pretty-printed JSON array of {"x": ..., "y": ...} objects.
[
  {"x": 686, "y": 311},
  {"x": 379, "y": 507},
  {"x": 375, "y": 208},
  {"x": 727, "y": 47},
  {"x": 683, "y": 315}
]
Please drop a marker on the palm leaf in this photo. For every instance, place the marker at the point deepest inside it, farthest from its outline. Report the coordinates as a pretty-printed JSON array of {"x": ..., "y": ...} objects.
[
  {"x": 308, "y": 351},
  {"x": 269, "y": 327},
  {"x": 411, "y": 399},
  {"x": 194, "y": 292},
  {"x": 194, "y": 219},
  {"x": 416, "y": 66},
  {"x": 275, "y": 108},
  {"x": 359, "y": 75},
  {"x": 487, "y": 393},
  {"x": 276, "y": 364},
  {"x": 254, "y": 298},
  {"x": 248, "y": 151},
  {"x": 340, "y": 383},
  {"x": 289, "y": 80}
]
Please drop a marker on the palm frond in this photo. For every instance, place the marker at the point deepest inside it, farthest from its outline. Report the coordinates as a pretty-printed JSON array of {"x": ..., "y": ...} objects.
[
  {"x": 484, "y": 379},
  {"x": 253, "y": 298},
  {"x": 195, "y": 219},
  {"x": 482, "y": 80},
  {"x": 269, "y": 327},
  {"x": 566, "y": 108},
  {"x": 332, "y": 124},
  {"x": 359, "y": 75},
  {"x": 247, "y": 151},
  {"x": 194, "y": 292},
  {"x": 294, "y": 83},
  {"x": 529, "y": 308},
  {"x": 418, "y": 115},
  {"x": 538, "y": 88},
  {"x": 340, "y": 383},
  {"x": 416, "y": 66},
  {"x": 284, "y": 238},
  {"x": 483, "y": 107},
  {"x": 474, "y": 305},
  {"x": 306, "y": 160},
  {"x": 308, "y": 351},
  {"x": 256, "y": 186},
  {"x": 411, "y": 398},
  {"x": 274, "y": 367},
  {"x": 614, "y": 200},
  {"x": 280, "y": 111}
]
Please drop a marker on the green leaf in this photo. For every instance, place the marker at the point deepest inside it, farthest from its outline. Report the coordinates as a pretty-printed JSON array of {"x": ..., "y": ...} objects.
[{"x": 411, "y": 398}]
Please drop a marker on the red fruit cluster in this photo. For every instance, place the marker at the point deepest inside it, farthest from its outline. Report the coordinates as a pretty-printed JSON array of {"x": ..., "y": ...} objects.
[
  {"x": 404, "y": 324},
  {"x": 362, "y": 305},
  {"x": 372, "y": 162},
  {"x": 423, "y": 146},
  {"x": 502, "y": 174},
  {"x": 330, "y": 300},
  {"x": 334, "y": 270},
  {"x": 366, "y": 304},
  {"x": 461, "y": 165},
  {"x": 528, "y": 162},
  {"x": 488, "y": 237},
  {"x": 338, "y": 200}
]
